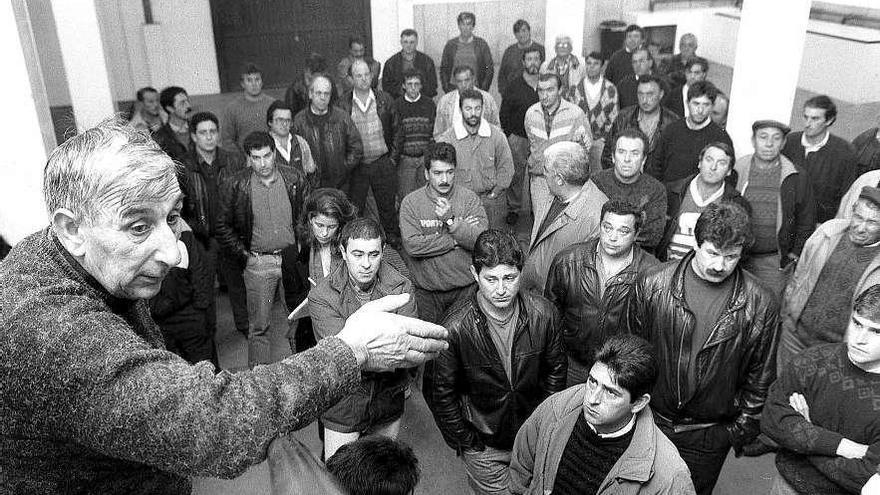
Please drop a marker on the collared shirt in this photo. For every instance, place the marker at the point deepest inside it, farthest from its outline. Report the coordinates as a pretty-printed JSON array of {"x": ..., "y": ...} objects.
[
  {"x": 616, "y": 434},
  {"x": 810, "y": 148},
  {"x": 593, "y": 91},
  {"x": 405, "y": 97},
  {"x": 684, "y": 98},
  {"x": 178, "y": 129},
  {"x": 273, "y": 216},
  {"x": 548, "y": 118},
  {"x": 283, "y": 146},
  {"x": 364, "y": 105}
]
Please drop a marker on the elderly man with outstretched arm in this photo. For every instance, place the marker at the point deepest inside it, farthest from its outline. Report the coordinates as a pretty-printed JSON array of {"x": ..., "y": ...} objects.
[{"x": 90, "y": 398}]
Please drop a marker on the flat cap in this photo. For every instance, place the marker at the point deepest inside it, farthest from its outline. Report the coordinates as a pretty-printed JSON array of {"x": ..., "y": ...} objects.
[
  {"x": 872, "y": 194},
  {"x": 760, "y": 124}
]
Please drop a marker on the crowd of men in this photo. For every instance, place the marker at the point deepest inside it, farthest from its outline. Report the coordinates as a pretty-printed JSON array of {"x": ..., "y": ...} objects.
[{"x": 673, "y": 301}]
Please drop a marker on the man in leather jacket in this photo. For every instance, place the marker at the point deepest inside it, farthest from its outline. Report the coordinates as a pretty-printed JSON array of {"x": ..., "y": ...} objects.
[
  {"x": 715, "y": 330},
  {"x": 505, "y": 357}
]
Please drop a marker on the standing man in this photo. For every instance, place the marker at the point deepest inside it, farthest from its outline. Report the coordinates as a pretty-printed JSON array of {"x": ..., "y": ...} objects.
[
  {"x": 207, "y": 166},
  {"x": 829, "y": 160},
  {"x": 836, "y": 259},
  {"x": 714, "y": 328},
  {"x": 551, "y": 120},
  {"x": 333, "y": 139},
  {"x": 620, "y": 62},
  {"x": 373, "y": 114},
  {"x": 823, "y": 410},
  {"x": 600, "y": 437},
  {"x": 297, "y": 94},
  {"x": 687, "y": 49},
  {"x": 484, "y": 163},
  {"x": 356, "y": 52},
  {"x": 416, "y": 113},
  {"x": 697, "y": 70},
  {"x": 521, "y": 94},
  {"x": 627, "y": 182},
  {"x": 292, "y": 150},
  {"x": 781, "y": 199},
  {"x": 680, "y": 143},
  {"x": 439, "y": 224},
  {"x": 867, "y": 148},
  {"x": 505, "y": 357},
  {"x": 590, "y": 282},
  {"x": 568, "y": 66},
  {"x": 174, "y": 136},
  {"x": 512, "y": 60},
  {"x": 469, "y": 51},
  {"x": 648, "y": 116},
  {"x": 148, "y": 115},
  {"x": 627, "y": 86},
  {"x": 247, "y": 112},
  {"x": 571, "y": 216},
  {"x": 259, "y": 208},
  {"x": 408, "y": 58},
  {"x": 598, "y": 98},
  {"x": 449, "y": 106},
  {"x": 376, "y": 407}
]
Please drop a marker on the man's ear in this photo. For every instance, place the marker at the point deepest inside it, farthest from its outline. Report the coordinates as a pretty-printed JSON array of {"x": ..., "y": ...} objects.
[
  {"x": 640, "y": 403},
  {"x": 69, "y": 230}
]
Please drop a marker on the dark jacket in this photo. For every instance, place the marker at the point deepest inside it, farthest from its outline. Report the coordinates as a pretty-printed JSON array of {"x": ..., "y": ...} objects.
[
  {"x": 735, "y": 366},
  {"x": 201, "y": 189},
  {"x": 485, "y": 65},
  {"x": 796, "y": 217},
  {"x": 628, "y": 118},
  {"x": 379, "y": 399},
  {"x": 675, "y": 195},
  {"x": 235, "y": 224},
  {"x": 588, "y": 319},
  {"x": 831, "y": 170},
  {"x": 466, "y": 387},
  {"x": 392, "y": 78},
  {"x": 297, "y": 95},
  {"x": 387, "y": 112},
  {"x": 340, "y": 150},
  {"x": 164, "y": 137},
  {"x": 674, "y": 100}
]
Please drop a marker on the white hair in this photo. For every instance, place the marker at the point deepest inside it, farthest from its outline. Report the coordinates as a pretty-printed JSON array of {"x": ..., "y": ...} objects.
[
  {"x": 96, "y": 173},
  {"x": 562, "y": 38},
  {"x": 569, "y": 160}
]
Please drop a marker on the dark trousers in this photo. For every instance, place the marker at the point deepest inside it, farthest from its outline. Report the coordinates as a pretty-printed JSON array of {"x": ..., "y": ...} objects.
[
  {"x": 381, "y": 176},
  {"x": 186, "y": 334},
  {"x": 704, "y": 452},
  {"x": 434, "y": 304},
  {"x": 230, "y": 272}
]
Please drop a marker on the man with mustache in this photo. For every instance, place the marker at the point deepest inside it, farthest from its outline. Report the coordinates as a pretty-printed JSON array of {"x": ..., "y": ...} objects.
[
  {"x": 714, "y": 328},
  {"x": 376, "y": 407},
  {"x": 485, "y": 164},
  {"x": 174, "y": 136},
  {"x": 505, "y": 357}
]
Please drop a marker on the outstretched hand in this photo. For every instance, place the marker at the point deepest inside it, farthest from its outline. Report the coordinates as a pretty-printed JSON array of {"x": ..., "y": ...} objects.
[{"x": 383, "y": 341}]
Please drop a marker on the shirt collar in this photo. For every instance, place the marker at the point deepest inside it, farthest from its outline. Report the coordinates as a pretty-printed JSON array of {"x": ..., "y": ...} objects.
[
  {"x": 616, "y": 434},
  {"x": 810, "y": 148},
  {"x": 180, "y": 129},
  {"x": 405, "y": 97},
  {"x": 287, "y": 140},
  {"x": 461, "y": 131},
  {"x": 364, "y": 105}
]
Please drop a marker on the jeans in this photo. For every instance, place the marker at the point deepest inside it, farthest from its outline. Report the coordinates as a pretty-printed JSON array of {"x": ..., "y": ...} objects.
[
  {"x": 496, "y": 209},
  {"x": 704, "y": 452},
  {"x": 410, "y": 175},
  {"x": 262, "y": 279},
  {"x": 381, "y": 176},
  {"x": 434, "y": 304},
  {"x": 519, "y": 186},
  {"x": 487, "y": 470}
]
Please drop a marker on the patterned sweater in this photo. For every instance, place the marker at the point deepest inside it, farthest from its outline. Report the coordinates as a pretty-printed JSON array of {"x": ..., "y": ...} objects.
[
  {"x": 844, "y": 402},
  {"x": 417, "y": 119},
  {"x": 92, "y": 402}
]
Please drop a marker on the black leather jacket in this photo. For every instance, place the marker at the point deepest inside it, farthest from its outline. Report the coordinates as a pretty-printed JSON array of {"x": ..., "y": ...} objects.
[
  {"x": 466, "y": 388},
  {"x": 573, "y": 287},
  {"x": 235, "y": 223},
  {"x": 628, "y": 118},
  {"x": 735, "y": 366}
]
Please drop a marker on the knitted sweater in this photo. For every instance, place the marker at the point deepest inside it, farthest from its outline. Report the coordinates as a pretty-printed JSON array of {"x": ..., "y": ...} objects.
[
  {"x": 417, "y": 119},
  {"x": 678, "y": 150},
  {"x": 646, "y": 193},
  {"x": 844, "y": 402},
  {"x": 242, "y": 117},
  {"x": 92, "y": 401}
]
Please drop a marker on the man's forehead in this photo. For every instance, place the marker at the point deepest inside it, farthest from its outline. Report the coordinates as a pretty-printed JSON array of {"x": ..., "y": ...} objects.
[
  {"x": 361, "y": 244},
  {"x": 151, "y": 206}
]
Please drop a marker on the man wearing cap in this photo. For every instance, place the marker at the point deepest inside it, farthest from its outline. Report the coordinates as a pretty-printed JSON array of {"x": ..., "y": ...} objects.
[
  {"x": 783, "y": 210},
  {"x": 838, "y": 257}
]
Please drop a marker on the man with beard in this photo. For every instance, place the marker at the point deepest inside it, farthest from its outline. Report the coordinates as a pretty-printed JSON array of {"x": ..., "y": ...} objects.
[
  {"x": 449, "y": 105},
  {"x": 439, "y": 224},
  {"x": 484, "y": 162},
  {"x": 174, "y": 136},
  {"x": 512, "y": 60},
  {"x": 521, "y": 94},
  {"x": 376, "y": 407}
]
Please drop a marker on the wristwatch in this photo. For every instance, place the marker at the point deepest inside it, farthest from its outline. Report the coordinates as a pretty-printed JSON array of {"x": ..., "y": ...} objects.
[{"x": 449, "y": 221}]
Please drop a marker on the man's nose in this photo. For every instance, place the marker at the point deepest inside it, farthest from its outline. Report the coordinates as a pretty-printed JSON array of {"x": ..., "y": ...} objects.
[{"x": 167, "y": 251}]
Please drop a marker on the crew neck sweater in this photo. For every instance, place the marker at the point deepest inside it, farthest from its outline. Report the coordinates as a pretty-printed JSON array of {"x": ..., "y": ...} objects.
[
  {"x": 678, "y": 150},
  {"x": 587, "y": 459}
]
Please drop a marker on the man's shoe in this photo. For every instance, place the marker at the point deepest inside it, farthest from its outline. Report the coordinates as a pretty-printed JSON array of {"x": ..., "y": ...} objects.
[{"x": 512, "y": 218}]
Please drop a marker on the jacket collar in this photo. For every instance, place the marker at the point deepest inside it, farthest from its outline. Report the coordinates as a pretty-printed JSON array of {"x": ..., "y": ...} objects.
[
  {"x": 744, "y": 166},
  {"x": 737, "y": 296},
  {"x": 387, "y": 279},
  {"x": 461, "y": 131}
]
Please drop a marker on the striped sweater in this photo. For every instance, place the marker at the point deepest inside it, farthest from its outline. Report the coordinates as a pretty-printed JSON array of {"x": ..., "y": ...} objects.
[{"x": 569, "y": 124}]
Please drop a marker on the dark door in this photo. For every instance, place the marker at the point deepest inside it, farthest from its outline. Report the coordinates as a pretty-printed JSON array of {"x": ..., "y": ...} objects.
[{"x": 278, "y": 35}]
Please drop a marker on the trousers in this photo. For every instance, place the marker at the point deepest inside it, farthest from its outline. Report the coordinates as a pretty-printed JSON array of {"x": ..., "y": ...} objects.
[
  {"x": 380, "y": 176},
  {"x": 262, "y": 280}
]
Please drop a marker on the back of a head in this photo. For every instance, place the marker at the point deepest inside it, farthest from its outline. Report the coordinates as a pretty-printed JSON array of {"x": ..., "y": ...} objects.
[
  {"x": 375, "y": 465},
  {"x": 569, "y": 160}
]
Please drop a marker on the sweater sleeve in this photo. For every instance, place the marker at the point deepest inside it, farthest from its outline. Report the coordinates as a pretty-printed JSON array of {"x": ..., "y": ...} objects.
[
  {"x": 416, "y": 243},
  {"x": 466, "y": 234},
  {"x": 851, "y": 474}
]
